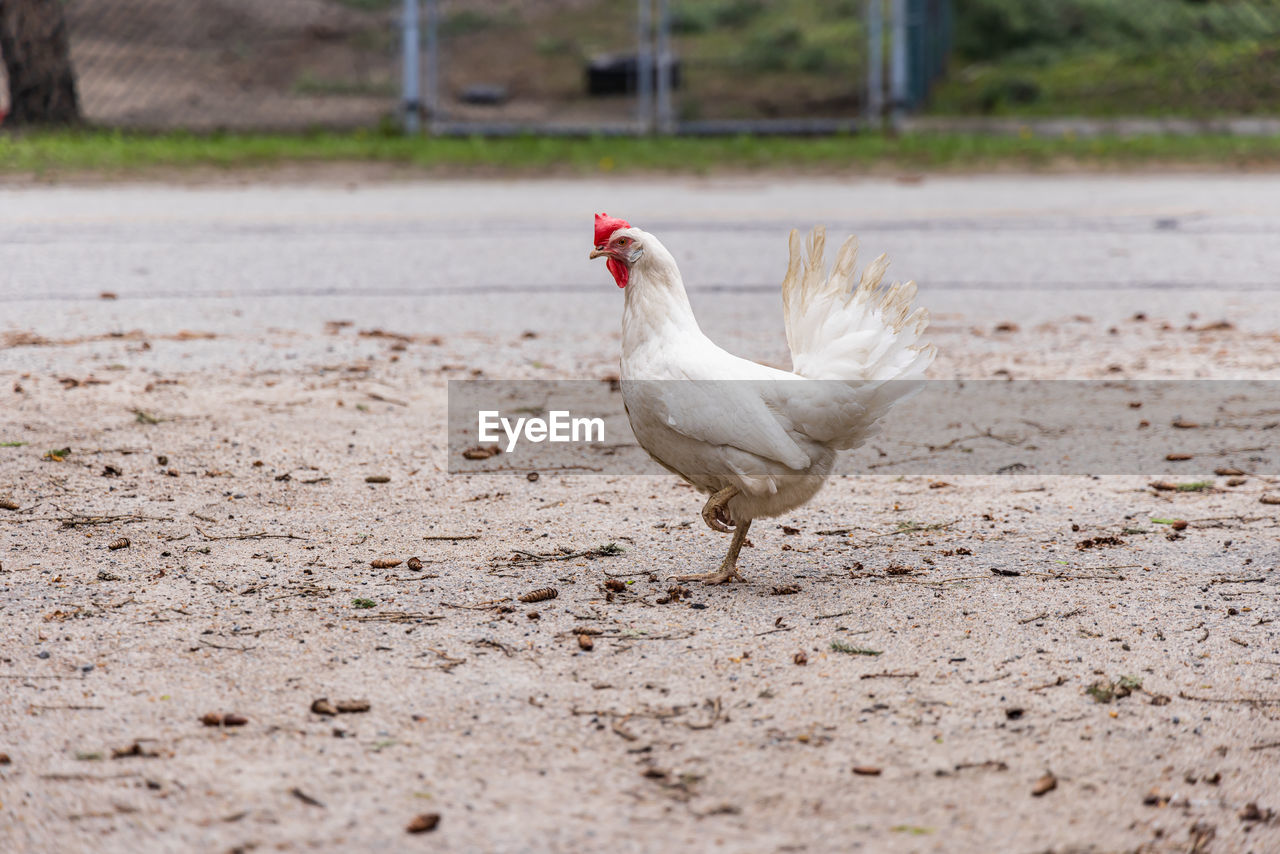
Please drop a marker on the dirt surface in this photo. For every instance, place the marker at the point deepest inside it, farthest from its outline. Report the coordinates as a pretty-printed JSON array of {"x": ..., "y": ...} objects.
[{"x": 912, "y": 664}]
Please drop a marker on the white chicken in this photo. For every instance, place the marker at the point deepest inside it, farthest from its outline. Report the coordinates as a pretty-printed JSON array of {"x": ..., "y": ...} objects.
[{"x": 760, "y": 440}]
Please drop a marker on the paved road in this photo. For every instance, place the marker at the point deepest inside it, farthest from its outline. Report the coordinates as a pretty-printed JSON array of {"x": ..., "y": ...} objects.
[{"x": 497, "y": 254}]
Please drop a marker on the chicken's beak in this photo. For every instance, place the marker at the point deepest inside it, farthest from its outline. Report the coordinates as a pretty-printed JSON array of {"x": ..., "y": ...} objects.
[{"x": 597, "y": 252}]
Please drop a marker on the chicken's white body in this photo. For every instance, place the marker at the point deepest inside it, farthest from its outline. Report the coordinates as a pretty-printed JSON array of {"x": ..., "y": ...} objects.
[{"x": 720, "y": 421}]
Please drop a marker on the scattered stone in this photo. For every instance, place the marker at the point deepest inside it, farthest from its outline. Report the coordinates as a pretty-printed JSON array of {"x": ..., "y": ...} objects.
[
  {"x": 1044, "y": 785},
  {"x": 7, "y": 503},
  {"x": 322, "y": 706},
  {"x": 866, "y": 770},
  {"x": 424, "y": 823},
  {"x": 800, "y": 658},
  {"x": 385, "y": 562},
  {"x": 377, "y": 478},
  {"x": 1251, "y": 812},
  {"x": 785, "y": 590},
  {"x": 1097, "y": 542},
  {"x": 614, "y": 585},
  {"x": 352, "y": 707},
  {"x": 116, "y": 545},
  {"x": 216, "y": 719},
  {"x": 414, "y": 563},
  {"x": 135, "y": 749},
  {"x": 585, "y": 643}
]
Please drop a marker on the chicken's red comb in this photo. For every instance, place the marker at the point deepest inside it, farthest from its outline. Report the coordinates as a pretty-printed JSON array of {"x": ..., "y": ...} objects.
[{"x": 606, "y": 225}]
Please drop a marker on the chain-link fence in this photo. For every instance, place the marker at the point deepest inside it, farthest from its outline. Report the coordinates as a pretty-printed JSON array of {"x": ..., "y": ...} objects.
[
  {"x": 235, "y": 64},
  {"x": 682, "y": 66},
  {"x": 501, "y": 66}
]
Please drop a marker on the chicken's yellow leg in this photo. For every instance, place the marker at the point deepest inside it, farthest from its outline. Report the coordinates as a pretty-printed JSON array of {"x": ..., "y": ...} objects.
[
  {"x": 716, "y": 513},
  {"x": 728, "y": 569}
]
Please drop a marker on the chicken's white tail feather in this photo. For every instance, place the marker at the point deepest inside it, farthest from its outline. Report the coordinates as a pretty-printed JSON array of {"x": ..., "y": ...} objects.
[
  {"x": 868, "y": 336},
  {"x": 838, "y": 331}
]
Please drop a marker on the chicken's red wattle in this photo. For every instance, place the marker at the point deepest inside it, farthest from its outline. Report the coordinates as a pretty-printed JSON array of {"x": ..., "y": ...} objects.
[{"x": 619, "y": 271}]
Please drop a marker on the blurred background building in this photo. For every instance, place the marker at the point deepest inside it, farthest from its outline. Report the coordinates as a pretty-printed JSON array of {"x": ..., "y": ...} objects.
[{"x": 476, "y": 66}]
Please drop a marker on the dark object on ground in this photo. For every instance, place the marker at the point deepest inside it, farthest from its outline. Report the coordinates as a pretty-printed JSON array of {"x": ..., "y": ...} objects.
[
  {"x": 617, "y": 74},
  {"x": 485, "y": 94}
]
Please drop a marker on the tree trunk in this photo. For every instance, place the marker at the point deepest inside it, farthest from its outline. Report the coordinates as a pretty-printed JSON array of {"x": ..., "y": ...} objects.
[{"x": 37, "y": 58}]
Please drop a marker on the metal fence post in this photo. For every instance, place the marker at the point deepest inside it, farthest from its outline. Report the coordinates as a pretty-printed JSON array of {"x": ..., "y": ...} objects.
[
  {"x": 666, "y": 123},
  {"x": 644, "y": 65},
  {"x": 434, "y": 112},
  {"x": 410, "y": 96},
  {"x": 899, "y": 82},
  {"x": 875, "y": 61}
]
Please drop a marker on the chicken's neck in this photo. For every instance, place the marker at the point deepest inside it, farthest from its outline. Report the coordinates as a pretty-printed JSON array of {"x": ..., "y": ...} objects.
[{"x": 657, "y": 309}]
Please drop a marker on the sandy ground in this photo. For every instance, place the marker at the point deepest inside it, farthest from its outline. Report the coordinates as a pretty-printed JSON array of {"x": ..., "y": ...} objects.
[{"x": 231, "y": 439}]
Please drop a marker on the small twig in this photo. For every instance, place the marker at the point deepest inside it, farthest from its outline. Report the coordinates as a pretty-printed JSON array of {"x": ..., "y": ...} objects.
[
  {"x": 482, "y": 606},
  {"x": 451, "y": 537},
  {"x": 204, "y": 642},
  {"x": 1253, "y": 701},
  {"x": 715, "y": 716},
  {"x": 1061, "y": 680},
  {"x": 525, "y": 471},
  {"x": 506, "y": 650},
  {"x": 838, "y": 614},
  {"x": 263, "y": 535},
  {"x": 396, "y": 617},
  {"x": 887, "y": 675}
]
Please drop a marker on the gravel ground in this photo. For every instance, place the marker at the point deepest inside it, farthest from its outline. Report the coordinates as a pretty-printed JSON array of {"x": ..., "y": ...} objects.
[{"x": 952, "y": 671}]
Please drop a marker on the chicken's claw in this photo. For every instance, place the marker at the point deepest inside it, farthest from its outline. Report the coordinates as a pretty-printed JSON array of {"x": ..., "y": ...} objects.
[
  {"x": 715, "y": 512},
  {"x": 729, "y": 567}
]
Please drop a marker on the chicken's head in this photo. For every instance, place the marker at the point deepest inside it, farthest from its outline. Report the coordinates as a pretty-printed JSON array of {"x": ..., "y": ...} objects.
[{"x": 616, "y": 240}]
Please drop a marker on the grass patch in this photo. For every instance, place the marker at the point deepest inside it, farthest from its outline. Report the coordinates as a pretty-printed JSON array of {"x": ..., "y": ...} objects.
[
  {"x": 12, "y": 444},
  {"x": 1113, "y": 58},
  {"x": 118, "y": 153}
]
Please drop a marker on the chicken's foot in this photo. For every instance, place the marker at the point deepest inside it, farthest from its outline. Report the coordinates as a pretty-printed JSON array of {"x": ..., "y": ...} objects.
[
  {"x": 716, "y": 512},
  {"x": 728, "y": 569}
]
